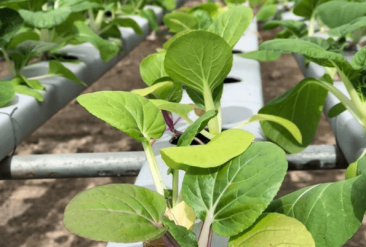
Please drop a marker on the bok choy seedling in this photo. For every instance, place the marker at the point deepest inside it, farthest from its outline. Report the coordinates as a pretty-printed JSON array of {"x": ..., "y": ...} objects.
[{"x": 230, "y": 183}]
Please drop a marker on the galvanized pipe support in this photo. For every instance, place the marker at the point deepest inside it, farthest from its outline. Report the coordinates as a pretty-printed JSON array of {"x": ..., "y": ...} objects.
[
  {"x": 129, "y": 164},
  {"x": 72, "y": 165}
]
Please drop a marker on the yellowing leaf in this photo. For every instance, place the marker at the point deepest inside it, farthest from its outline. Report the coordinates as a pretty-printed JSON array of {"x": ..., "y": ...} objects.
[{"x": 182, "y": 214}]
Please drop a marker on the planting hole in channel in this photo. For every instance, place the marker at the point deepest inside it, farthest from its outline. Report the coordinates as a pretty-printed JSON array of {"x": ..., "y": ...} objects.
[
  {"x": 62, "y": 57},
  {"x": 174, "y": 140},
  {"x": 236, "y": 52},
  {"x": 231, "y": 80}
]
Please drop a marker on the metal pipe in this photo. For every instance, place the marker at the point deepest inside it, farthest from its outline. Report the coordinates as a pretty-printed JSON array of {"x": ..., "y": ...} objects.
[
  {"x": 72, "y": 165},
  {"x": 315, "y": 157}
]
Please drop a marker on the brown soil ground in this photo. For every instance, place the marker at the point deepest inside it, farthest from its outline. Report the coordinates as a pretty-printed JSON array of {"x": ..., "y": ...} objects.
[{"x": 31, "y": 211}]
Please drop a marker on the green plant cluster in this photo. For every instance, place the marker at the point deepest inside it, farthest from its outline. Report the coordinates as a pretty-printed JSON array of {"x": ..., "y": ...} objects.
[
  {"x": 335, "y": 30},
  {"x": 230, "y": 183},
  {"x": 33, "y": 30}
]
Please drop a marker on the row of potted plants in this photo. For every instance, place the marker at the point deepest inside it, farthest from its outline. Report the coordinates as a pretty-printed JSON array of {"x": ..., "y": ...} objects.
[{"x": 230, "y": 179}]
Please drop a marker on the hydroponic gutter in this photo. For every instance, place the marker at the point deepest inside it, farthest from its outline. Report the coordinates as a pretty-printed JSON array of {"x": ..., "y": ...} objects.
[{"x": 24, "y": 114}]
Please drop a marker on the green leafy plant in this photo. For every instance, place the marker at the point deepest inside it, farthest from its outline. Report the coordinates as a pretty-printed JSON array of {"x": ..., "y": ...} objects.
[
  {"x": 351, "y": 73},
  {"x": 229, "y": 183},
  {"x": 36, "y": 30}
]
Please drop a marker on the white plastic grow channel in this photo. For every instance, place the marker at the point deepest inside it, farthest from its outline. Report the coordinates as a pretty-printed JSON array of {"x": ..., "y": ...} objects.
[
  {"x": 24, "y": 114},
  {"x": 240, "y": 101}
]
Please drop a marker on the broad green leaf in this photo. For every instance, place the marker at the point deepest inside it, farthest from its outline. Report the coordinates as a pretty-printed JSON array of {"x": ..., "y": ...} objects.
[
  {"x": 128, "y": 112},
  {"x": 34, "y": 84},
  {"x": 121, "y": 213},
  {"x": 200, "y": 60},
  {"x": 106, "y": 49},
  {"x": 336, "y": 110},
  {"x": 188, "y": 136},
  {"x": 169, "y": 4},
  {"x": 209, "y": 7},
  {"x": 152, "y": 68},
  {"x": 306, "y": 8},
  {"x": 21, "y": 37},
  {"x": 262, "y": 56},
  {"x": 128, "y": 9},
  {"x": 171, "y": 93},
  {"x": 45, "y": 20},
  {"x": 27, "y": 50},
  {"x": 361, "y": 166},
  {"x": 182, "y": 214},
  {"x": 351, "y": 171},
  {"x": 196, "y": 97},
  {"x": 232, "y": 24},
  {"x": 347, "y": 28},
  {"x": 325, "y": 43},
  {"x": 285, "y": 34},
  {"x": 182, "y": 235},
  {"x": 35, "y": 5},
  {"x": 21, "y": 89},
  {"x": 152, "y": 89},
  {"x": 306, "y": 98},
  {"x": 233, "y": 196},
  {"x": 204, "y": 19},
  {"x": 7, "y": 92},
  {"x": 78, "y": 5},
  {"x": 310, "y": 50},
  {"x": 167, "y": 44},
  {"x": 150, "y": 15},
  {"x": 10, "y": 23},
  {"x": 111, "y": 31},
  {"x": 127, "y": 22},
  {"x": 290, "y": 126},
  {"x": 34, "y": 47},
  {"x": 272, "y": 229},
  {"x": 63, "y": 31},
  {"x": 58, "y": 69},
  {"x": 181, "y": 110},
  {"x": 332, "y": 212},
  {"x": 266, "y": 12},
  {"x": 298, "y": 28},
  {"x": 220, "y": 149},
  {"x": 337, "y": 13},
  {"x": 356, "y": 168},
  {"x": 179, "y": 21},
  {"x": 359, "y": 59}
]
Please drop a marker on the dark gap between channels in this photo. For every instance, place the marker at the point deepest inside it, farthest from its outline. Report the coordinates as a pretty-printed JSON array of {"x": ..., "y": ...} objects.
[{"x": 231, "y": 80}]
